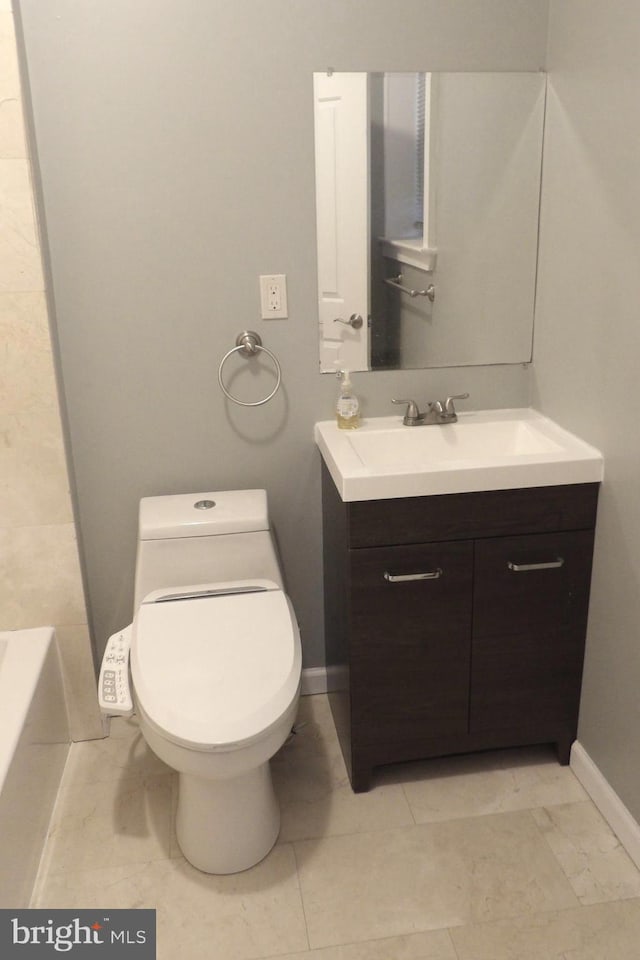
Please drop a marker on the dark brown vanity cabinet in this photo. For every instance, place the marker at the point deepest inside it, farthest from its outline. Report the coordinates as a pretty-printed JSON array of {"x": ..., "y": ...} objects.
[{"x": 456, "y": 623}]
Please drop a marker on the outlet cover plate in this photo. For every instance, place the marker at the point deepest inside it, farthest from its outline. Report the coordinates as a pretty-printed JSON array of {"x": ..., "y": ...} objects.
[{"x": 273, "y": 296}]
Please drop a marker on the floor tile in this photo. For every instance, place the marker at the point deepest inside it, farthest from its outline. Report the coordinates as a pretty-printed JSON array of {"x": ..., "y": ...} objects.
[
  {"x": 310, "y": 763},
  {"x": 121, "y": 755},
  {"x": 365, "y": 886},
  {"x": 110, "y": 823},
  {"x": 432, "y": 945},
  {"x": 505, "y": 863},
  {"x": 341, "y": 812},
  {"x": 601, "y": 932},
  {"x": 597, "y": 865},
  {"x": 313, "y": 788},
  {"x": 486, "y": 783},
  {"x": 248, "y": 915}
]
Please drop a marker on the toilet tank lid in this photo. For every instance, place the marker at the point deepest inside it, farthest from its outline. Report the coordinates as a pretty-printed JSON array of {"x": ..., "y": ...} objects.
[{"x": 202, "y": 514}]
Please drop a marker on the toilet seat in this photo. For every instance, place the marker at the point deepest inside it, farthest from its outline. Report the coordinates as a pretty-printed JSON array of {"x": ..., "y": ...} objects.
[{"x": 214, "y": 666}]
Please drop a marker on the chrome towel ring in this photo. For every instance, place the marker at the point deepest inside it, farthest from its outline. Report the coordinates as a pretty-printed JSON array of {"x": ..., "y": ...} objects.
[{"x": 248, "y": 344}]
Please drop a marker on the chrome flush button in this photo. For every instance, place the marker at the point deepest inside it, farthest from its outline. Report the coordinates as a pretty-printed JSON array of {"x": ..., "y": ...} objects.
[{"x": 204, "y": 504}]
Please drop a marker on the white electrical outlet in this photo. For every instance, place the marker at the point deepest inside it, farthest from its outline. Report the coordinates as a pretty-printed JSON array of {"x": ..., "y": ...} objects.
[{"x": 273, "y": 296}]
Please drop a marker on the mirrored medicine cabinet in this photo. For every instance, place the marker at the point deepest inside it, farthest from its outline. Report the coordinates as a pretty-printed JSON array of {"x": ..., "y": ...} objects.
[{"x": 427, "y": 204}]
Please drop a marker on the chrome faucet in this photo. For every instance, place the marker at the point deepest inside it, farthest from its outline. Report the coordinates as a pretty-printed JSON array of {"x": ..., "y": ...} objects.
[{"x": 437, "y": 411}]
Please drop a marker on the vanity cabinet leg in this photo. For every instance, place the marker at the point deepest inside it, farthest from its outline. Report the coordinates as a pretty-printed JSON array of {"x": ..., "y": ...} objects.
[
  {"x": 563, "y": 750},
  {"x": 361, "y": 778}
]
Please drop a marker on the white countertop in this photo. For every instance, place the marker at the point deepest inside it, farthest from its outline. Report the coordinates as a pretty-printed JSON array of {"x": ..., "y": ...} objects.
[{"x": 484, "y": 450}]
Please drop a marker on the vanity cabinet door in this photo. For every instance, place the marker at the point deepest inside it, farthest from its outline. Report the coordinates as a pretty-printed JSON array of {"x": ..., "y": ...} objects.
[
  {"x": 530, "y": 611},
  {"x": 410, "y": 628}
]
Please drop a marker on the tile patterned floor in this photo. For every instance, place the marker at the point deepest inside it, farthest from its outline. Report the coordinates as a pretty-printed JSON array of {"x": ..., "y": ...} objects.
[{"x": 494, "y": 857}]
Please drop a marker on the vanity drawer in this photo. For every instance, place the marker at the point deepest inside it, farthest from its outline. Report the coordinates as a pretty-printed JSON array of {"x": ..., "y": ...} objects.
[{"x": 465, "y": 516}]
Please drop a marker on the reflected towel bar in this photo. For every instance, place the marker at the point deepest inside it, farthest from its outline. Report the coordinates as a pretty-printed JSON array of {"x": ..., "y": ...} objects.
[{"x": 396, "y": 282}]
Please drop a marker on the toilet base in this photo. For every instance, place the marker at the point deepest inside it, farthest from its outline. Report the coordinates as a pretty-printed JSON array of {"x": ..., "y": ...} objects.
[{"x": 227, "y": 825}]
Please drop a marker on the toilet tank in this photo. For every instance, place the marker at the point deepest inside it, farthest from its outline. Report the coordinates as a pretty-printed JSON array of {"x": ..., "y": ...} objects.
[{"x": 204, "y": 538}]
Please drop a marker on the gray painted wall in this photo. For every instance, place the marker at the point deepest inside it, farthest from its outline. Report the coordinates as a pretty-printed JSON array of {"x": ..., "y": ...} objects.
[
  {"x": 175, "y": 148},
  {"x": 587, "y": 340}
]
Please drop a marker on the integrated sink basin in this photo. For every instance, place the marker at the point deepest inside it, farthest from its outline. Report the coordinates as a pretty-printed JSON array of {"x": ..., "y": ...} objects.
[{"x": 484, "y": 450}]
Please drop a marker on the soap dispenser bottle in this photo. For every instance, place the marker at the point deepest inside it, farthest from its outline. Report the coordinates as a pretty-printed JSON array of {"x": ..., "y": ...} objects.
[{"x": 347, "y": 407}]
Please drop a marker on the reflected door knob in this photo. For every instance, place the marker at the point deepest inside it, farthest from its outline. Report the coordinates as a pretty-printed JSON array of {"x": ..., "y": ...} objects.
[{"x": 355, "y": 321}]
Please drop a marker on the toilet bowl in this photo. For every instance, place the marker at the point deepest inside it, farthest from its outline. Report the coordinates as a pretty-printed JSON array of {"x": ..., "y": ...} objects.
[{"x": 215, "y": 666}]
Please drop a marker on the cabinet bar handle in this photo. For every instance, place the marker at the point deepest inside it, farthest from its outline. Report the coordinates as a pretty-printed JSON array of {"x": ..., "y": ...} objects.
[
  {"x": 523, "y": 567},
  {"x": 402, "y": 578}
]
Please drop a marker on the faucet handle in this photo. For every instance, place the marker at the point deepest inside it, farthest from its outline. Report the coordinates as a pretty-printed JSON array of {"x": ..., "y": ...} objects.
[
  {"x": 448, "y": 404},
  {"x": 412, "y": 407},
  {"x": 412, "y": 413}
]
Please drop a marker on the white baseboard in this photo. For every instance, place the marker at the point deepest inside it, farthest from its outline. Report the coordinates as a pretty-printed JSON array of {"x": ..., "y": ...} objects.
[
  {"x": 623, "y": 824},
  {"x": 319, "y": 680}
]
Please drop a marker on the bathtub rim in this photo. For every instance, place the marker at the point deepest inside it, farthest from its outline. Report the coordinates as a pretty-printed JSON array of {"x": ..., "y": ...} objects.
[{"x": 20, "y": 670}]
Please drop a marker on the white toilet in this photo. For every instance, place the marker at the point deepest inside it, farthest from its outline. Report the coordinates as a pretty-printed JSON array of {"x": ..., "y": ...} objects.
[{"x": 215, "y": 667}]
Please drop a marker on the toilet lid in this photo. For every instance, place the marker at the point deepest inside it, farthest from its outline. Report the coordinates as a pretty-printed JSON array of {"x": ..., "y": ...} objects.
[{"x": 215, "y": 665}]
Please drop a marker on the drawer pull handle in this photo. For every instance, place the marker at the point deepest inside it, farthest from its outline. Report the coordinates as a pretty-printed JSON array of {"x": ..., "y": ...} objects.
[
  {"x": 404, "y": 577},
  {"x": 523, "y": 567}
]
